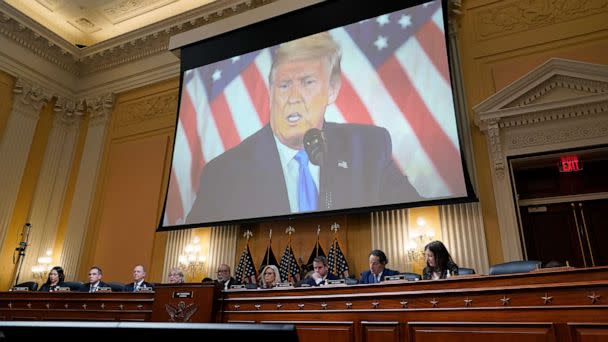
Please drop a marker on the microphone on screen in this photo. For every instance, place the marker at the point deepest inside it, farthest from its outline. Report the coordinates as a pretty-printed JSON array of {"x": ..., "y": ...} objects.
[{"x": 315, "y": 146}]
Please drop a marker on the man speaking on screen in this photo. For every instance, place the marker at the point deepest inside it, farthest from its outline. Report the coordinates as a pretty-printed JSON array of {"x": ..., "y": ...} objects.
[{"x": 276, "y": 172}]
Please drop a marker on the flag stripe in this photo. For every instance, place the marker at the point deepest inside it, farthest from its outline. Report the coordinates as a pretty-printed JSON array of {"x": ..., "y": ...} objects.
[
  {"x": 256, "y": 87},
  {"x": 350, "y": 105},
  {"x": 244, "y": 114},
  {"x": 188, "y": 120},
  {"x": 224, "y": 122},
  {"x": 175, "y": 212},
  {"x": 430, "y": 134},
  {"x": 424, "y": 76},
  {"x": 407, "y": 151},
  {"x": 428, "y": 36}
]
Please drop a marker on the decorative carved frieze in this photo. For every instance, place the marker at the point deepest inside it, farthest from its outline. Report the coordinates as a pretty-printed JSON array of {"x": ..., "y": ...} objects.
[
  {"x": 558, "y": 135},
  {"x": 517, "y": 16},
  {"x": 148, "y": 108}
]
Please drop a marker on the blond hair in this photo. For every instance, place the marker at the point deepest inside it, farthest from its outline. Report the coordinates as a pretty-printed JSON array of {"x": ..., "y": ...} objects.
[
  {"x": 316, "y": 46},
  {"x": 277, "y": 275}
]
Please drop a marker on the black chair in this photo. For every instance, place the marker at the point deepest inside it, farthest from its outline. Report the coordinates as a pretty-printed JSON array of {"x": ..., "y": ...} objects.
[
  {"x": 411, "y": 276},
  {"x": 73, "y": 285},
  {"x": 522, "y": 266},
  {"x": 116, "y": 287},
  {"x": 31, "y": 285},
  {"x": 465, "y": 271}
]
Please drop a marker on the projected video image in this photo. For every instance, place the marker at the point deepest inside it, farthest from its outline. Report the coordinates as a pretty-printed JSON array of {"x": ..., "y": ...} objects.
[{"x": 358, "y": 116}]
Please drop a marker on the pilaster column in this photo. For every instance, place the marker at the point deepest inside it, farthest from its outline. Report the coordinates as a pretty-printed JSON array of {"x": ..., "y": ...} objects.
[
  {"x": 99, "y": 110},
  {"x": 50, "y": 190},
  {"x": 15, "y": 146}
]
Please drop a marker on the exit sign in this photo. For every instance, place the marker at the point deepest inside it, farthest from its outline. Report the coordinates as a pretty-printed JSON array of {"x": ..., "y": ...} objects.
[{"x": 570, "y": 164}]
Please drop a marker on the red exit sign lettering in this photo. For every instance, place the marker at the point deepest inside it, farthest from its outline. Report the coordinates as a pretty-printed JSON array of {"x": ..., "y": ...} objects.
[{"x": 570, "y": 164}]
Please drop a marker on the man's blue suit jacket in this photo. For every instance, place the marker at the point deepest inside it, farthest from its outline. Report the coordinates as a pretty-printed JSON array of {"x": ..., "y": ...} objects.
[
  {"x": 368, "y": 278},
  {"x": 247, "y": 181}
]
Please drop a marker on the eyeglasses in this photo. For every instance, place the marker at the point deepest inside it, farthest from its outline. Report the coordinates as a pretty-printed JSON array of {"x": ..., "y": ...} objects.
[{"x": 269, "y": 273}]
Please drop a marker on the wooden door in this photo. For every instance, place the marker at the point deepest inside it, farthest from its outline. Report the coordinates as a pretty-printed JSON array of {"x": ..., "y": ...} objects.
[
  {"x": 576, "y": 232},
  {"x": 594, "y": 222}
]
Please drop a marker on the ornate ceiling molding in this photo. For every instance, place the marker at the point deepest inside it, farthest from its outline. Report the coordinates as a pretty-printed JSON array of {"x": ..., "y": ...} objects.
[{"x": 129, "y": 47}]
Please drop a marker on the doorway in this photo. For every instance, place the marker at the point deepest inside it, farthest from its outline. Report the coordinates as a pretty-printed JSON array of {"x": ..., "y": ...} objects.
[{"x": 563, "y": 206}]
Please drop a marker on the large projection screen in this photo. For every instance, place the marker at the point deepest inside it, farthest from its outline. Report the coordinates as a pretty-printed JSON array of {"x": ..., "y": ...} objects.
[{"x": 370, "y": 88}]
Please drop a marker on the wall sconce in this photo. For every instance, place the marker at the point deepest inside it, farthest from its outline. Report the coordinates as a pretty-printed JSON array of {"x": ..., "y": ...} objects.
[
  {"x": 43, "y": 267},
  {"x": 419, "y": 238},
  {"x": 192, "y": 260}
]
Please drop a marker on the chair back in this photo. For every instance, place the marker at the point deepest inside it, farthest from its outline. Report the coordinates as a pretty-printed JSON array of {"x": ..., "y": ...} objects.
[
  {"x": 411, "y": 276},
  {"x": 116, "y": 287},
  {"x": 31, "y": 285},
  {"x": 465, "y": 271},
  {"x": 73, "y": 285},
  {"x": 521, "y": 266}
]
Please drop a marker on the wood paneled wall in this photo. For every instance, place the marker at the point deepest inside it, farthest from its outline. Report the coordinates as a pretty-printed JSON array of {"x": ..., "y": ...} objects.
[{"x": 131, "y": 189}]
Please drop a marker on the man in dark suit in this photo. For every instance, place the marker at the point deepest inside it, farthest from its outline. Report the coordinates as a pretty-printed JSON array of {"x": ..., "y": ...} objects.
[
  {"x": 223, "y": 277},
  {"x": 95, "y": 275},
  {"x": 139, "y": 281},
  {"x": 321, "y": 272},
  {"x": 377, "y": 268},
  {"x": 269, "y": 173}
]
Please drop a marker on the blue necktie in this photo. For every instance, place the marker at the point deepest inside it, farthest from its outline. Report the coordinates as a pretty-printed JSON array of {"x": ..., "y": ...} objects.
[{"x": 307, "y": 191}]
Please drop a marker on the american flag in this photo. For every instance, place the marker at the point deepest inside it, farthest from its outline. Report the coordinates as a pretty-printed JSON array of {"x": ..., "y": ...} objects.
[
  {"x": 245, "y": 270},
  {"x": 337, "y": 261},
  {"x": 289, "y": 267},
  {"x": 395, "y": 75}
]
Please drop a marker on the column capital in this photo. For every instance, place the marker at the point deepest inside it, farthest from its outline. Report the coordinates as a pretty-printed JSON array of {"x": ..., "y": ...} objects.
[
  {"x": 100, "y": 106},
  {"x": 29, "y": 93}
]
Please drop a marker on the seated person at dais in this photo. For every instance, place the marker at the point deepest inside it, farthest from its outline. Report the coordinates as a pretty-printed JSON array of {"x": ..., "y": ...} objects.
[
  {"x": 439, "y": 263},
  {"x": 377, "y": 268},
  {"x": 139, "y": 281},
  {"x": 269, "y": 277},
  {"x": 54, "y": 280},
  {"x": 321, "y": 272},
  {"x": 95, "y": 275},
  {"x": 176, "y": 276},
  {"x": 224, "y": 279}
]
